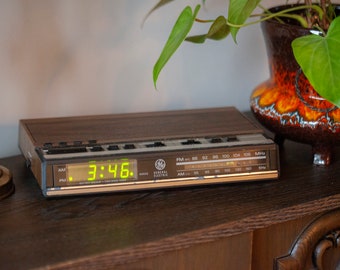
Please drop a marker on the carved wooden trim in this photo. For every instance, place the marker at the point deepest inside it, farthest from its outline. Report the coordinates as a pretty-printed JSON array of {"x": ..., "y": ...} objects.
[
  {"x": 321, "y": 237},
  {"x": 331, "y": 241}
]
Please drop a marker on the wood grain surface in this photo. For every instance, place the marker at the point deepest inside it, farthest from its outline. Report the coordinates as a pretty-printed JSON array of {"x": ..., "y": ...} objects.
[{"x": 114, "y": 229}]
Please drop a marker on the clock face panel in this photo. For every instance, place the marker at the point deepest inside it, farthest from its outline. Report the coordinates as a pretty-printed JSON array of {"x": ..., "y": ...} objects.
[{"x": 110, "y": 170}]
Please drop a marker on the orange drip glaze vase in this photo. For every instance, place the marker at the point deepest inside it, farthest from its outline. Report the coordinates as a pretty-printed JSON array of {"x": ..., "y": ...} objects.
[{"x": 287, "y": 104}]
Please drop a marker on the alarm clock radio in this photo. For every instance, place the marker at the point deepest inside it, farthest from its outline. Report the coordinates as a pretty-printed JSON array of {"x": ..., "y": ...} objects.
[{"x": 135, "y": 151}]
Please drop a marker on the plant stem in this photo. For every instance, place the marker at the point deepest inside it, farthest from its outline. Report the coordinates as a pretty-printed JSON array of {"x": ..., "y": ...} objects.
[
  {"x": 309, "y": 13},
  {"x": 284, "y": 13},
  {"x": 325, "y": 20}
]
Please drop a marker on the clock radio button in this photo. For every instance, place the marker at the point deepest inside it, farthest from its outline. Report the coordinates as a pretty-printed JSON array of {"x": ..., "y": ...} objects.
[
  {"x": 48, "y": 145},
  {"x": 216, "y": 140},
  {"x": 191, "y": 141},
  {"x": 66, "y": 150},
  {"x": 96, "y": 148},
  {"x": 155, "y": 144},
  {"x": 113, "y": 147},
  {"x": 232, "y": 139},
  {"x": 129, "y": 146}
]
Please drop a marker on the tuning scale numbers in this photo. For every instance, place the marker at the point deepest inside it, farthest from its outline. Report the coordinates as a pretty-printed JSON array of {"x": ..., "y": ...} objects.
[{"x": 222, "y": 163}]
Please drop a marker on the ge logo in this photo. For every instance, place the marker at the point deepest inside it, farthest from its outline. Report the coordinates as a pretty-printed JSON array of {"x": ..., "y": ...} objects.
[{"x": 160, "y": 164}]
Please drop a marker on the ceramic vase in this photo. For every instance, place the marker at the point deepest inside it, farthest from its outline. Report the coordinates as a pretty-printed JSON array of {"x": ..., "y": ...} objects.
[{"x": 287, "y": 104}]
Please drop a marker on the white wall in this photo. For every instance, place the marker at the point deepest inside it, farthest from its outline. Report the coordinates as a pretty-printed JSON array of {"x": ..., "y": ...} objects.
[{"x": 82, "y": 57}]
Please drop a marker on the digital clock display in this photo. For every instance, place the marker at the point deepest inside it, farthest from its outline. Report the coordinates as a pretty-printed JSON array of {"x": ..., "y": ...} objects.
[{"x": 103, "y": 171}]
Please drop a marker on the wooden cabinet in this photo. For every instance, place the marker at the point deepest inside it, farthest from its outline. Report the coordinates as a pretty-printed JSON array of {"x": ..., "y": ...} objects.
[
  {"x": 317, "y": 247},
  {"x": 289, "y": 223}
]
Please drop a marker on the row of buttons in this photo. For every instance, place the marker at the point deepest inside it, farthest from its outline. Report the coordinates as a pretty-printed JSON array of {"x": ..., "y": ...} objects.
[
  {"x": 65, "y": 144},
  {"x": 132, "y": 146},
  {"x": 82, "y": 149},
  {"x": 93, "y": 146}
]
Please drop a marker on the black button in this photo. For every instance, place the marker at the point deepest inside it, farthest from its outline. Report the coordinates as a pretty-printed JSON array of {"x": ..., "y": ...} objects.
[
  {"x": 216, "y": 140},
  {"x": 129, "y": 146},
  {"x": 96, "y": 148},
  {"x": 232, "y": 139},
  {"x": 48, "y": 145},
  {"x": 66, "y": 150},
  {"x": 155, "y": 144},
  {"x": 113, "y": 147},
  {"x": 191, "y": 141}
]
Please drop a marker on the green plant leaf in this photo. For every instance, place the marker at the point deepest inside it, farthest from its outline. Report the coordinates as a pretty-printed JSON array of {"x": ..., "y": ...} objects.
[
  {"x": 239, "y": 12},
  {"x": 197, "y": 39},
  {"x": 157, "y": 6},
  {"x": 318, "y": 58},
  {"x": 178, "y": 34},
  {"x": 218, "y": 30}
]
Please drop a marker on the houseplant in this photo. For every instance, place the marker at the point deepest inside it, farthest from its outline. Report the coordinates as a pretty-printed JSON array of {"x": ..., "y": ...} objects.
[{"x": 315, "y": 54}]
